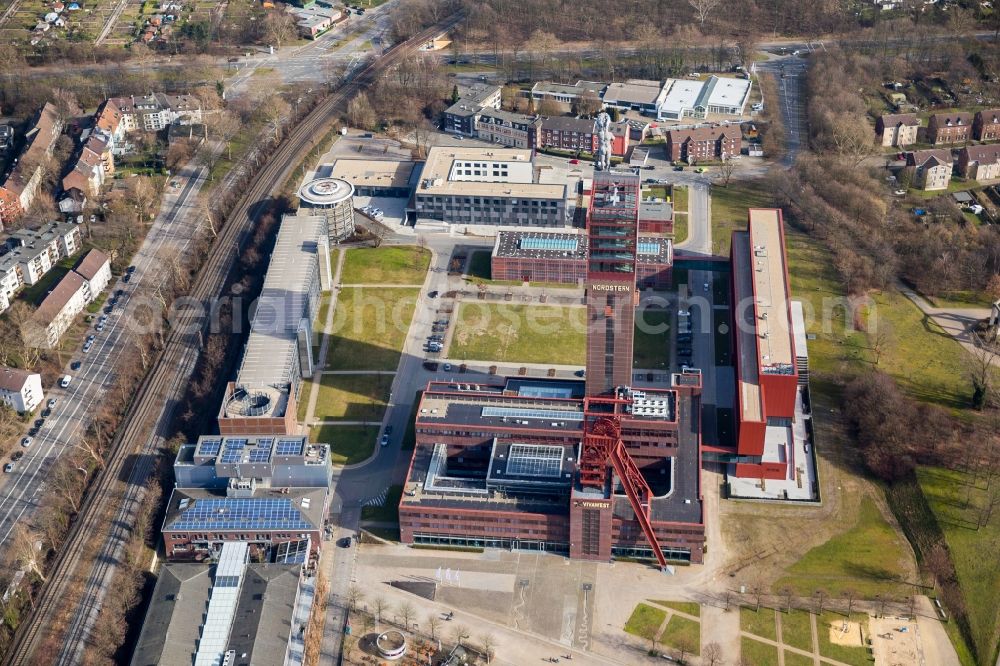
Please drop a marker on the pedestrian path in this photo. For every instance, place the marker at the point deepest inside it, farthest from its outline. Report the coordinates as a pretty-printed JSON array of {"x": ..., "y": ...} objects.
[{"x": 956, "y": 322}]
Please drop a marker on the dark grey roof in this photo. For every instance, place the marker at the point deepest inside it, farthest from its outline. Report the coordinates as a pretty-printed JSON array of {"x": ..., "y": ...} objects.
[
  {"x": 262, "y": 623},
  {"x": 567, "y": 124}
]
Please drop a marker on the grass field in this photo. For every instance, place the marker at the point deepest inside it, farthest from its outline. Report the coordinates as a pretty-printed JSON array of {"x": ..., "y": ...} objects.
[
  {"x": 645, "y": 621},
  {"x": 796, "y": 630},
  {"x": 796, "y": 659},
  {"x": 352, "y": 397},
  {"x": 729, "y": 210},
  {"x": 946, "y": 492},
  {"x": 303, "y": 404},
  {"x": 865, "y": 559},
  {"x": 960, "y": 300},
  {"x": 385, "y": 265},
  {"x": 37, "y": 292},
  {"x": 651, "y": 343},
  {"x": 759, "y": 623},
  {"x": 519, "y": 333},
  {"x": 388, "y": 512},
  {"x": 759, "y": 654},
  {"x": 856, "y": 656},
  {"x": 689, "y": 607},
  {"x": 348, "y": 444},
  {"x": 681, "y": 631},
  {"x": 680, "y": 201},
  {"x": 369, "y": 328}
]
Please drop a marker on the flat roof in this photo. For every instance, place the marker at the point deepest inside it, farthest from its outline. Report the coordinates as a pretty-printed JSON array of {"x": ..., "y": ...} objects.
[
  {"x": 289, "y": 509},
  {"x": 726, "y": 91},
  {"x": 437, "y": 171},
  {"x": 373, "y": 173},
  {"x": 292, "y": 274},
  {"x": 771, "y": 292},
  {"x": 634, "y": 91},
  {"x": 681, "y": 95},
  {"x": 746, "y": 330}
]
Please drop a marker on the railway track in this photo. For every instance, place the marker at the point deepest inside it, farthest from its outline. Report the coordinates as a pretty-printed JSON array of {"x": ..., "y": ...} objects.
[{"x": 151, "y": 406}]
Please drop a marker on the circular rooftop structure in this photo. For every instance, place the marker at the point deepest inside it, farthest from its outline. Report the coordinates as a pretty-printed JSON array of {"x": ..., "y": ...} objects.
[
  {"x": 391, "y": 644},
  {"x": 326, "y": 191}
]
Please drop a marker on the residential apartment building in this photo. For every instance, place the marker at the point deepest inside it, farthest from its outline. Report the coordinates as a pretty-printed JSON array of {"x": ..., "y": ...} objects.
[
  {"x": 986, "y": 125},
  {"x": 93, "y": 166},
  {"x": 95, "y": 269},
  {"x": 154, "y": 112},
  {"x": 580, "y": 135},
  {"x": 980, "y": 162},
  {"x": 897, "y": 129},
  {"x": 110, "y": 122},
  {"x": 513, "y": 130},
  {"x": 20, "y": 390},
  {"x": 38, "y": 250},
  {"x": 18, "y": 188},
  {"x": 930, "y": 169},
  {"x": 487, "y": 186},
  {"x": 55, "y": 314},
  {"x": 460, "y": 117},
  {"x": 703, "y": 143},
  {"x": 945, "y": 128}
]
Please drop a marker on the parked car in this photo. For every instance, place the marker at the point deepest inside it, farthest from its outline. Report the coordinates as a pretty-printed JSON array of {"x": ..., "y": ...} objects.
[
  {"x": 580, "y": 373},
  {"x": 87, "y": 346},
  {"x": 17, "y": 455},
  {"x": 126, "y": 277},
  {"x": 683, "y": 313},
  {"x": 39, "y": 422},
  {"x": 75, "y": 365},
  {"x": 899, "y": 192},
  {"x": 64, "y": 382},
  {"x": 345, "y": 542},
  {"x": 8, "y": 468},
  {"x": 574, "y": 161},
  {"x": 705, "y": 286},
  {"x": 430, "y": 365},
  {"x": 51, "y": 403},
  {"x": 700, "y": 170},
  {"x": 447, "y": 367},
  {"x": 678, "y": 168},
  {"x": 432, "y": 294},
  {"x": 26, "y": 442},
  {"x": 385, "y": 439}
]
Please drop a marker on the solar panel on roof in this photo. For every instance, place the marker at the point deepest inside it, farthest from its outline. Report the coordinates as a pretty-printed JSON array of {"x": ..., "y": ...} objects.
[
  {"x": 545, "y": 391},
  {"x": 209, "y": 447},
  {"x": 542, "y": 243},
  {"x": 235, "y": 513},
  {"x": 259, "y": 455},
  {"x": 289, "y": 447},
  {"x": 548, "y": 414},
  {"x": 525, "y": 460}
]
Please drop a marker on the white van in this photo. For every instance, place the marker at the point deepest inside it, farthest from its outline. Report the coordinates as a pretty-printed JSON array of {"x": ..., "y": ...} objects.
[{"x": 64, "y": 382}]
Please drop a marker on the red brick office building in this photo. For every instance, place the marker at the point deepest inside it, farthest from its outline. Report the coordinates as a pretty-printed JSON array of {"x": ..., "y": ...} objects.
[
  {"x": 703, "y": 144},
  {"x": 536, "y": 464},
  {"x": 766, "y": 370}
]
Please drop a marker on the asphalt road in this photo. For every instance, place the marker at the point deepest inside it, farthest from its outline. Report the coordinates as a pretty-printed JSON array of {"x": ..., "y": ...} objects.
[
  {"x": 172, "y": 229},
  {"x": 790, "y": 74}
]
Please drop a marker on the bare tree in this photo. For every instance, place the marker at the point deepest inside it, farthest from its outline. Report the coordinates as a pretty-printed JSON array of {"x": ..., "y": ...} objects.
[
  {"x": 407, "y": 611},
  {"x": 684, "y": 648},
  {"x": 726, "y": 171},
  {"x": 460, "y": 632},
  {"x": 488, "y": 644},
  {"x": 979, "y": 367},
  {"x": 712, "y": 654},
  {"x": 354, "y": 597},
  {"x": 703, "y": 8},
  {"x": 27, "y": 550},
  {"x": 279, "y": 26},
  {"x": 787, "y": 592},
  {"x": 433, "y": 624},
  {"x": 938, "y": 562},
  {"x": 881, "y": 338},
  {"x": 360, "y": 112},
  {"x": 381, "y": 605}
]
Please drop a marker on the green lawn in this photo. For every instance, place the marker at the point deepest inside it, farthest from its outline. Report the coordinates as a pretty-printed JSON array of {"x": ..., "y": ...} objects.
[
  {"x": 388, "y": 512},
  {"x": 680, "y": 201},
  {"x": 758, "y": 654},
  {"x": 681, "y": 631},
  {"x": 759, "y": 623},
  {"x": 865, "y": 559},
  {"x": 386, "y": 265},
  {"x": 303, "y": 404},
  {"x": 946, "y": 492},
  {"x": 652, "y": 336},
  {"x": 960, "y": 300},
  {"x": 796, "y": 659},
  {"x": 480, "y": 265},
  {"x": 729, "y": 210},
  {"x": 679, "y": 194},
  {"x": 926, "y": 362},
  {"x": 689, "y": 607},
  {"x": 369, "y": 328},
  {"x": 37, "y": 292},
  {"x": 352, "y": 397},
  {"x": 95, "y": 306},
  {"x": 645, "y": 621},
  {"x": 796, "y": 631},
  {"x": 508, "y": 332},
  {"x": 856, "y": 656},
  {"x": 348, "y": 444}
]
